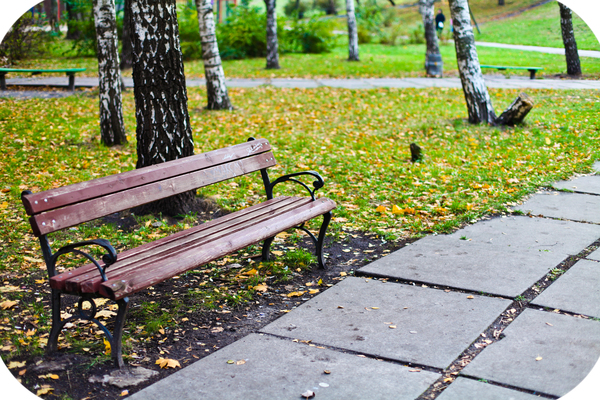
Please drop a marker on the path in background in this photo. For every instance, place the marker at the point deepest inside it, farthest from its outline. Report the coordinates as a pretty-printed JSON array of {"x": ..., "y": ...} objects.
[
  {"x": 492, "y": 81},
  {"x": 539, "y": 49}
]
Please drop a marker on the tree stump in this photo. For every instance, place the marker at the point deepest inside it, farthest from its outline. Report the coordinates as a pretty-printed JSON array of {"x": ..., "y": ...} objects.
[
  {"x": 516, "y": 112},
  {"x": 416, "y": 154}
]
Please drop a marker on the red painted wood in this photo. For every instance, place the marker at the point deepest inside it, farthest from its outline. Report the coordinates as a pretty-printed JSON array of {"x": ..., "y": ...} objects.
[
  {"x": 153, "y": 273},
  {"x": 73, "y": 281},
  {"x": 90, "y": 270},
  {"x": 62, "y": 218},
  {"x": 36, "y": 203}
]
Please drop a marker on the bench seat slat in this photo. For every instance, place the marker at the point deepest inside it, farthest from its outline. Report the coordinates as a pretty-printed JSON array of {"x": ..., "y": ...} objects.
[
  {"x": 163, "y": 254},
  {"x": 90, "y": 281},
  {"x": 137, "y": 280},
  {"x": 89, "y": 270},
  {"x": 89, "y": 210},
  {"x": 36, "y": 203}
]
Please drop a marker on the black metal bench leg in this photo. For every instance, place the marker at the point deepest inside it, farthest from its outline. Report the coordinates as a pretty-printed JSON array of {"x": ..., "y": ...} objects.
[
  {"x": 267, "y": 248},
  {"x": 71, "y": 82},
  {"x": 319, "y": 244},
  {"x": 532, "y": 74},
  {"x": 57, "y": 323},
  {"x": 3, "y": 81},
  {"x": 116, "y": 346}
]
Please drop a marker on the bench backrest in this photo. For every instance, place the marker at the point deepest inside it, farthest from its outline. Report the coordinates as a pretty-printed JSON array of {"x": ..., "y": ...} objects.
[{"x": 67, "y": 206}]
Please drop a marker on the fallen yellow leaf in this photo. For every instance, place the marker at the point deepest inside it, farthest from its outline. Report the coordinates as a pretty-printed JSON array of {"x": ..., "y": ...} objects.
[
  {"x": 261, "y": 288},
  {"x": 168, "y": 363},
  {"x": 548, "y": 141},
  {"x": 470, "y": 297},
  {"x": 397, "y": 210},
  {"x": 538, "y": 359},
  {"x": 295, "y": 294},
  {"x": 16, "y": 364},
  {"x": 45, "y": 389},
  {"x": 381, "y": 209},
  {"x": 5, "y": 305},
  {"x": 4, "y": 205},
  {"x": 106, "y": 347}
]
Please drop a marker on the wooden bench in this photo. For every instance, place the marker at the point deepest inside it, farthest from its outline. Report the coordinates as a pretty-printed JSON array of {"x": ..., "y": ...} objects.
[
  {"x": 117, "y": 276},
  {"x": 69, "y": 71},
  {"x": 532, "y": 70}
]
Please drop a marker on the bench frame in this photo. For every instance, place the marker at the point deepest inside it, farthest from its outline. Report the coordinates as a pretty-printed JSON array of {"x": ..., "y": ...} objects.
[
  {"x": 532, "y": 70},
  {"x": 115, "y": 338},
  {"x": 69, "y": 71}
]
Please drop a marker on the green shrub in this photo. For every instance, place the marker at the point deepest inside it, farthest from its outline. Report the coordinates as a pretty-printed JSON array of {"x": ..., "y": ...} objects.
[
  {"x": 189, "y": 32},
  {"x": 312, "y": 36},
  {"x": 243, "y": 35},
  {"x": 296, "y": 8},
  {"x": 21, "y": 41},
  {"x": 369, "y": 20}
]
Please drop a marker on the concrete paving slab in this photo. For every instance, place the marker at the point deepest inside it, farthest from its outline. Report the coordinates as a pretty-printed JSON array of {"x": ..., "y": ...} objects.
[
  {"x": 295, "y": 83},
  {"x": 34, "y": 94},
  {"x": 582, "y": 184},
  {"x": 504, "y": 256},
  {"x": 568, "y": 346},
  {"x": 527, "y": 233},
  {"x": 594, "y": 255},
  {"x": 346, "y": 83},
  {"x": 596, "y": 167},
  {"x": 469, "y": 389},
  {"x": 573, "y": 206},
  {"x": 577, "y": 290},
  {"x": 463, "y": 265},
  {"x": 432, "y": 327},
  {"x": 276, "y": 368}
]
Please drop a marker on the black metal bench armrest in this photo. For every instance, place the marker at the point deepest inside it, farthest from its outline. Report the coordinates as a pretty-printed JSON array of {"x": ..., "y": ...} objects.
[
  {"x": 290, "y": 177},
  {"x": 109, "y": 258}
]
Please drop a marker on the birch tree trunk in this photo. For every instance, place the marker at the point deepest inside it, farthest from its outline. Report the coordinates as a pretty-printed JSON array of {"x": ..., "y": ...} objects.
[
  {"x": 479, "y": 105},
  {"x": 163, "y": 130},
  {"x": 272, "y": 45},
  {"x": 216, "y": 90},
  {"x": 112, "y": 129},
  {"x": 126, "y": 61},
  {"x": 571, "y": 54},
  {"x": 352, "y": 32},
  {"x": 433, "y": 58}
]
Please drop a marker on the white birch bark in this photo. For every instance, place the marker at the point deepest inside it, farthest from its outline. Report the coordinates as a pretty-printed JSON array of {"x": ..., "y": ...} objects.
[
  {"x": 272, "y": 44},
  {"x": 433, "y": 58},
  {"x": 478, "y": 100},
  {"x": 352, "y": 32},
  {"x": 112, "y": 130},
  {"x": 568, "y": 35},
  {"x": 163, "y": 130},
  {"x": 216, "y": 89}
]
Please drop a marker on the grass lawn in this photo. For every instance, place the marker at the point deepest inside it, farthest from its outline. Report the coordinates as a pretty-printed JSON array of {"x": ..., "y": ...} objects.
[
  {"x": 377, "y": 61},
  {"x": 537, "y": 27},
  {"x": 358, "y": 140}
]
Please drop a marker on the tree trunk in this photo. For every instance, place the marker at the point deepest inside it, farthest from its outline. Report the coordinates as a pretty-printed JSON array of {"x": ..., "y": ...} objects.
[
  {"x": 272, "y": 46},
  {"x": 571, "y": 54},
  {"x": 216, "y": 90},
  {"x": 516, "y": 112},
  {"x": 163, "y": 124},
  {"x": 126, "y": 50},
  {"x": 433, "y": 58},
  {"x": 479, "y": 104},
  {"x": 500, "y": 2},
  {"x": 112, "y": 130},
  {"x": 72, "y": 31},
  {"x": 352, "y": 32}
]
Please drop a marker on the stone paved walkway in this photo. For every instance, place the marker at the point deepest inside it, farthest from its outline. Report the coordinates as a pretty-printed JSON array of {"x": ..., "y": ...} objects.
[
  {"x": 507, "y": 308},
  {"x": 516, "y": 81}
]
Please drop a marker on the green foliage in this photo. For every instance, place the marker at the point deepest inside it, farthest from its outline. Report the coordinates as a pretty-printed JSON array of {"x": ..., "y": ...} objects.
[
  {"x": 21, "y": 41},
  {"x": 82, "y": 28},
  {"x": 296, "y": 8},
  {"x": 243, "y": 35},
  {"x": 369, "y": 19},
  {"x": 189, "y": 32},
  {"x": 312, "y": 36},
  {"x": 298, "y": 258}
]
